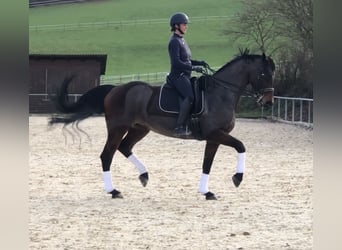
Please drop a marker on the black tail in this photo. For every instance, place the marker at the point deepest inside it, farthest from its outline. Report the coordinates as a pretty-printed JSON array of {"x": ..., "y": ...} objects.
[{"x": 91, "y": 103}]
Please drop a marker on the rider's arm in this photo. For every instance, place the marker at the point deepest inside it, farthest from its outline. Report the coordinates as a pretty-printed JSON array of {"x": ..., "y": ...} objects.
[{"x": 198, "y": 63}]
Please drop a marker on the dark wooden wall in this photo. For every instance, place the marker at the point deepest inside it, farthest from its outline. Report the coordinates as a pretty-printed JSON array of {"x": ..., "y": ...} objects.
[{"x": 47, "y": 72}]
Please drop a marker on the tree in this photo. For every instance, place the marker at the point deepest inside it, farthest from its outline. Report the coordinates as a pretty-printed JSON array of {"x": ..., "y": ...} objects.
[
  {"x": 254, "y": 26},
  {"x": 284, "y": 30},
  {"x": 297, "y": 16}
]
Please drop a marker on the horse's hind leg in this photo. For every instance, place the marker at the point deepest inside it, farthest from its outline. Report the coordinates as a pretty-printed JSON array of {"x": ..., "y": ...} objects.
[
  {"x": 134, "y": 135},
  {"x": 114, "y": 138},
  {"x": 209, "y": 154}
]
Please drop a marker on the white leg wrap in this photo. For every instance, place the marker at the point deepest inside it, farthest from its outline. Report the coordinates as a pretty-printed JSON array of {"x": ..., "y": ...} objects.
[
  {"x": 138, "y": 165},
  {"x": 107, "y": 179},
  {"x": 240, "y": 167},
  {"x": 203, "y": 185}
]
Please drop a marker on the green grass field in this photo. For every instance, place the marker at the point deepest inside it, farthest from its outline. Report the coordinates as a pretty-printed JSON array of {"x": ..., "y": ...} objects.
[{"x": 135, "y": 48}]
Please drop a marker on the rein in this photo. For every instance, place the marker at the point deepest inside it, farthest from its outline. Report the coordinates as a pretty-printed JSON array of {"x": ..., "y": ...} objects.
[{"x": 228, "y": 85}]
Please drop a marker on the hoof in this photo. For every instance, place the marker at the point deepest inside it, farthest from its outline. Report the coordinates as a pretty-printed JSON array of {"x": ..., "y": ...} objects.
[
  {"x": 143, "y": 179},
  {"x": 116, "y": 194},
  {"x": 237, "y": 178},
  {"x": 210, "y": 196}
]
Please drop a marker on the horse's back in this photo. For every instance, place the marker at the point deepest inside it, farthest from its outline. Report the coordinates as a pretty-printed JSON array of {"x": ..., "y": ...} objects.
[{"x": 130, "y": 99}]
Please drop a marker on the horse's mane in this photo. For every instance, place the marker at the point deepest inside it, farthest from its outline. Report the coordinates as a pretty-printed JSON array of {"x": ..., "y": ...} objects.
[{"x": 243, "y": 54}]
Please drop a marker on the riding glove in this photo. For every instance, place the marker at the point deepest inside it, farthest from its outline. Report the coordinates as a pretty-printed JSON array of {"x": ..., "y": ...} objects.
[
  {"x": 204, "y": 64},
  {"x": 198, "y": 69}
]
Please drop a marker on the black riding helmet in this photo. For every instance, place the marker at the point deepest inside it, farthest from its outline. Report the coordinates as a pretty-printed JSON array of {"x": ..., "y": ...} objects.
[{"x": 178, "y": 18}]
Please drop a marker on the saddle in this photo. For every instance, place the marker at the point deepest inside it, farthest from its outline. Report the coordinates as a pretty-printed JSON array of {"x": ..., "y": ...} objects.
[{"x": 169, "y": 99}]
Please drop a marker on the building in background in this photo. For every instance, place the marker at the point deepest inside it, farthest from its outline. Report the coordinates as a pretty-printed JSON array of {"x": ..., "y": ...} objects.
[{"x": 47, "y": 72}]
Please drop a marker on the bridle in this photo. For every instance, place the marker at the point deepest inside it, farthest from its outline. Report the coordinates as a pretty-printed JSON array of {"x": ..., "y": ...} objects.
[{"x": 234, "y": 87}]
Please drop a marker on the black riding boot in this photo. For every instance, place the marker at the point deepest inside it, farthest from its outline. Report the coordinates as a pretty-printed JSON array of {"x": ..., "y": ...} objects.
[{"x": 181, "y": 129}]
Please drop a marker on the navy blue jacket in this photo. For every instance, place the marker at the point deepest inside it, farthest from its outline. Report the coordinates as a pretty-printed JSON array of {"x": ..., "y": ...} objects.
[{"x": 180, "y": 54}]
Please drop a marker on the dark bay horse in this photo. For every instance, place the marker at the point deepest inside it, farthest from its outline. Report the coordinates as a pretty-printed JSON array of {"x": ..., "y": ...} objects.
[{"x": 132, "y": 110}]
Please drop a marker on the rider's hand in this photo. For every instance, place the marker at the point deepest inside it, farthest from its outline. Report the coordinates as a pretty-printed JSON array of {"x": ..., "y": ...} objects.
[
  {"x": 198, "y": 69},
  {"x": 204, "y": 64}
]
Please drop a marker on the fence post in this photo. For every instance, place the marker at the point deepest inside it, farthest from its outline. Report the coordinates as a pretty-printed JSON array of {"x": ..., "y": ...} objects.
[
  {"x": 309, "y": 110},
  {"x": 279, "y": 108},
  {"x": 285, "y": 110},
  {"x": 293, "y": 109},
  {"x": 301, "y": 111}
]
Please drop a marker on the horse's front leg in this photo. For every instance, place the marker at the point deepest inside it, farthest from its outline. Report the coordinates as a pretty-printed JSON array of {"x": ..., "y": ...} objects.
[
  {"x": 209, "y": 154},
  {"x": 113, "y": 141},
  {"x": 221, "y": 137}
]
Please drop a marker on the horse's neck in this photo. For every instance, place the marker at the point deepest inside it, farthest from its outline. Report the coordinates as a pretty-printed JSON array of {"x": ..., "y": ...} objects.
[
  {"x": 235, "y": 79},
  {"x": 235, "y": 75}
]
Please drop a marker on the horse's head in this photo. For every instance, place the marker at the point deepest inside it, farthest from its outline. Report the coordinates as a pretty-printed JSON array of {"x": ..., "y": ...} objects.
[{"x": 261, "y": 78}]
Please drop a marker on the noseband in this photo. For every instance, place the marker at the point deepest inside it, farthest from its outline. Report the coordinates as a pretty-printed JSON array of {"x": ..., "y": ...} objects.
[{"x": 261, "y": 93}]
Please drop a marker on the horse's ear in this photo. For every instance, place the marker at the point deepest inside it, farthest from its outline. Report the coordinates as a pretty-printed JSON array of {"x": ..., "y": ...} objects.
[
  {"x": 271, "y": 62},
  {"x": 263, "y": 56}
]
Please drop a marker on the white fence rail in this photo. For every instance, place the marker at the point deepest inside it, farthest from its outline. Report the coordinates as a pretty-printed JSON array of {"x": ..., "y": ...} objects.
[
  {"x": 51, "y": 2},
  {"x": 293, "y": 110},
  {"x": 47, "y": 97},
  {"x": 153, "y": 78},
  {"x": 107, "y": 24},
  {"x": 158, "y": 77},
  {"x": 285, "y": 109}
]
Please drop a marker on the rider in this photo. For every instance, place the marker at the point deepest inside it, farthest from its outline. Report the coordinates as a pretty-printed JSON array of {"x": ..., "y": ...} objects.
[{"x": 181, "y": 67}]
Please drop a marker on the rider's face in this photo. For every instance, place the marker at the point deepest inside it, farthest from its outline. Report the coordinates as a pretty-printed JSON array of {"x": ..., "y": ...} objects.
[{"x": 183, "y": 27}]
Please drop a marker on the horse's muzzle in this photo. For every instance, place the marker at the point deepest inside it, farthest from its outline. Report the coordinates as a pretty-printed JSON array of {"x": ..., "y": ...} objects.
[{"x": 266, "y": 98}]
